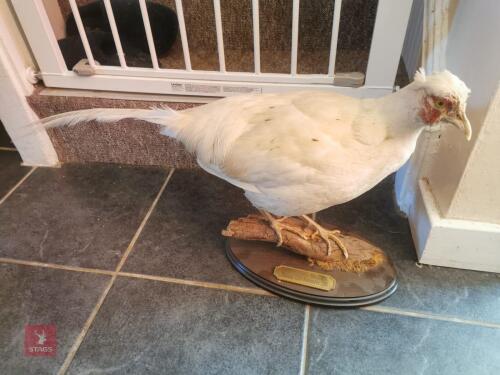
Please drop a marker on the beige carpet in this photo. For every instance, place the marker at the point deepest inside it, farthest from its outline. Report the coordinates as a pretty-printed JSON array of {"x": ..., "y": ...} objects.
[{"x": 124, "y": 142}]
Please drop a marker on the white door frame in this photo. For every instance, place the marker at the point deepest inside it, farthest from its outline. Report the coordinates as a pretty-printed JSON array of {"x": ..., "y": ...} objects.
[{"x": 21, "y": 123}]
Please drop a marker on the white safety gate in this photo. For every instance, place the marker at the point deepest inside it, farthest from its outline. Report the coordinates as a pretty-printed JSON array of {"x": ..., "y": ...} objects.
[{"x": 387, "y": 40}]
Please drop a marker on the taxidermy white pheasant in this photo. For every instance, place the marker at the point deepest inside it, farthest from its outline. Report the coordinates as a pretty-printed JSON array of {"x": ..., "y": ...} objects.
[{"x": 297, "y": 153}]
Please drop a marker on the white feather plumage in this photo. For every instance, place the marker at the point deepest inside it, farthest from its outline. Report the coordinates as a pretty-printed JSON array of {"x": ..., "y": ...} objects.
[
  {"x": 299, "y": 152},
  {"x": 156, "y": 115}
]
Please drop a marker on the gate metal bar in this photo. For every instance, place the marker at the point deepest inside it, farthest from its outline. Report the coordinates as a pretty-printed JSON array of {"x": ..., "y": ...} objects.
[
  {"x": 256, "y": 35},
  {"x": 335, "y": 37},
  {"x": 182, "y": 30},
  {"x": 81, "y": 31},
  {"x": 295, "y": 36},
  {"x": 220, "y": 39},
  {"x": 149, "y": 34},
  {"x": 114, "y": 32}
]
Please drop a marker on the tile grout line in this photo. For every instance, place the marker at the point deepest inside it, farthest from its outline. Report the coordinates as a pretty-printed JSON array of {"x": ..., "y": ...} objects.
[
  {"x": 165, "y": 279},
  {"x": 143, "y": 223},
  {"x": 56, "y": 266},
  {"x": 249, "y": 290},
  {"x": 305, "y": 340},
  {"x": 430, "y": 316},
  {"x": 79, "y": 339},
  {"x": 19, "y": 183},
  {"x": 203, "y": 284},
  {"x": 76, "y": 345}
]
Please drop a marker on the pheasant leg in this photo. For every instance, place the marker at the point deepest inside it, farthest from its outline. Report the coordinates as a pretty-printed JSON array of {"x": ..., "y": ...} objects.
[
  {"x": 278, "y": 226},
  {"x": 327, "y": 236}
]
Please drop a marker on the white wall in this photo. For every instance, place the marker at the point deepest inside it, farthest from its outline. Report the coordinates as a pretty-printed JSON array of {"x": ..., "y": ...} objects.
[
  {"x": 450, "y": 188},
  {"x": 465, "y": 191},
  {"x": 478, "y": 194},
  {"x": 412, "y": 46}
]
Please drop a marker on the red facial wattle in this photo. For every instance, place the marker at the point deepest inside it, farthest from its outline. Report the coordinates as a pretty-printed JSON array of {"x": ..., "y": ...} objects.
[{"x": 429, "y": 114}]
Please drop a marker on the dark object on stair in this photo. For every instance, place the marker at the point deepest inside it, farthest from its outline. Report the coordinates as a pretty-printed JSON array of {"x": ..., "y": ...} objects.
[
  {"x": 103, "y": 49},
  {"x": 128, "y": 17}
]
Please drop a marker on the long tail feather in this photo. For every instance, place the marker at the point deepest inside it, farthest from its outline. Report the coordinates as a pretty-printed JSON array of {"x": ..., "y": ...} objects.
[{"x": 166, "y": 117}]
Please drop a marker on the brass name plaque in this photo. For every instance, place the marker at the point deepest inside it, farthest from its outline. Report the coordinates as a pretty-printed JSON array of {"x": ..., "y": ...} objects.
[{"x": 302, "y": 277}]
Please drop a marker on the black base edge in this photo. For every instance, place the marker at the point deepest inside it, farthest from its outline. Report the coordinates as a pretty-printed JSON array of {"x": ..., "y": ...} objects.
[{"x": 306, "y": 298}]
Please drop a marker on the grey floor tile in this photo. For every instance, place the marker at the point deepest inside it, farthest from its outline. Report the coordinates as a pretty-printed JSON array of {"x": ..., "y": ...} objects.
[
  {"x": 360, "y": 342},
  {"x": 30, "y": 295},
  {"x": 148, "y": 327},
  {"x": 466, "y": 294},
  {"x": 11, "y": 171},
  {"x": 183, "y": 234},
  {"x": 77, "y": 215}
]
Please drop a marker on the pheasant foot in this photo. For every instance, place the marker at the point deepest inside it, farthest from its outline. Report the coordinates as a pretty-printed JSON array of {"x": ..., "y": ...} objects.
[
  {"x": 327, "y": 236},
  {"x": 278, "y": 227}
]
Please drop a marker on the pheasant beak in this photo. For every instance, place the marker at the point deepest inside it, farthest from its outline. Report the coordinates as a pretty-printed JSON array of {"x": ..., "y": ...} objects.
[{"x": 461, "y": 121}]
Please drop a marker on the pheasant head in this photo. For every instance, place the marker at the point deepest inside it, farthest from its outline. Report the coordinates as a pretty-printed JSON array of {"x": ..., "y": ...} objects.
[{"x": 443, "y": 99}]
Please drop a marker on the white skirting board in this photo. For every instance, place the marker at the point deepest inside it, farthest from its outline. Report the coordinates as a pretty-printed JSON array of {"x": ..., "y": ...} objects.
[{"x": 450, "y": 242}]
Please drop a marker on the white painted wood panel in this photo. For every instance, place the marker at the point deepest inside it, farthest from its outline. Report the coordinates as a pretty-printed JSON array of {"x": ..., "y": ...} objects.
[
  {"x": 21, "y": 123},
  {"x": 387, "y": 42},
  {"x": 412, "y": 47}
]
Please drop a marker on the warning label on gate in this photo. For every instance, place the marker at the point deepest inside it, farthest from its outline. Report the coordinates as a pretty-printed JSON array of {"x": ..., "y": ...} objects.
[
  {"x": 213, "y": 89},
  {"x": 190, "y": 87},
  {"x": 241, "y": 89}
]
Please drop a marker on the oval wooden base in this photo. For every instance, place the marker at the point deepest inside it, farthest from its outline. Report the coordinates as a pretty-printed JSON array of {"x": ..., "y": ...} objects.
[{"x": 256, "y": 261}]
